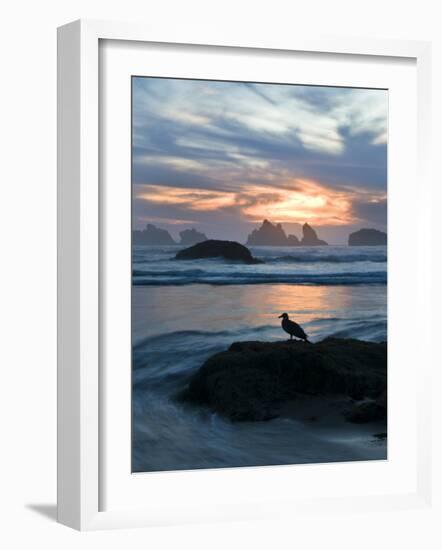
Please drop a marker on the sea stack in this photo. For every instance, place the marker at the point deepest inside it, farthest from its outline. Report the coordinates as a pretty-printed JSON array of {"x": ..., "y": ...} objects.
[
  {"x": 367, "y": 237},
  {"x": 152, "y": 235},
  {"x": 310, "y": 238},
  {"x": 191, "y": 236},
  {"x": 292, "y": 240},
  {"x": 268, "y": 235}
]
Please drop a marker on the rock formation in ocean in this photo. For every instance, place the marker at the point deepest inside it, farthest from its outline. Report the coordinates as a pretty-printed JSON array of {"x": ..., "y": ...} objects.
[
  {"x": 229, "y": 250},
  {"x": 367, "y": 237},
  {"x": 292, "y": 240},
  {"x": 251, "y": 380},
  {"x": 310, "y": 238},
  {"x": 152, "y": 235},
  {"x": 191, "y": 236},
  {"x": 268, "y": 235}
]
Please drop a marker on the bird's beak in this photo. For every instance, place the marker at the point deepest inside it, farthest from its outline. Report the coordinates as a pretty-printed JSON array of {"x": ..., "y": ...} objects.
[{"x": 280, "y": 317}]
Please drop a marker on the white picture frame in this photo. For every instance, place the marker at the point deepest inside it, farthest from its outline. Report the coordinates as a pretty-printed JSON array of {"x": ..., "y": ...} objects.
[{"x": 80, "y": 271}]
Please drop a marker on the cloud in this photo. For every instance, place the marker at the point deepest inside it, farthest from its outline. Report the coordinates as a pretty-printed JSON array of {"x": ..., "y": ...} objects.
[
  {"x": 187, "y": 198},
  {"x": 314, "y": 114},
  {"x": 243, "y": 148},
  {"x": 372, "y": 211},
  {"x": 294, "y": 201}
]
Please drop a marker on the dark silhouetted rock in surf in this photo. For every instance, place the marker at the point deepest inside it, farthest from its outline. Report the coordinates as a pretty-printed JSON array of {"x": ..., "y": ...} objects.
[
  {"x": 310, "y": 238},
  {"x": 229, "y": 250},
  {"x": 367, "y": 237},
  {"x": 152, "y": 235},
  {"x": 191, "y": 236},
  {"x": 269, "y": 235},
  {"x": 251, "y": 380}
]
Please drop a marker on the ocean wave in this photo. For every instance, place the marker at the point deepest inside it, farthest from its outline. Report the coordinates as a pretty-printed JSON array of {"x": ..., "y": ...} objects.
[
  {"x": 239, "y": 278},
  {"x": 155, "y": 357},
  {"x": 328, "y": 259},
  {"x": 157, "y": 341},
  {"x": 163, "y": 337},
  {"x": 181, "y": 273},
  {"x": 364, "y": 329},
  {"x": 285, "y": 258}
]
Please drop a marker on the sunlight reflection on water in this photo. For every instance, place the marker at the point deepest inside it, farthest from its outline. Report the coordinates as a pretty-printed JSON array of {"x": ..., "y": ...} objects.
[{"x": 212, "y": 308}]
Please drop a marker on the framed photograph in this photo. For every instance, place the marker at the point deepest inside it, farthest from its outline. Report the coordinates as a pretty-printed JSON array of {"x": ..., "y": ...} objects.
[{"x": 243, "y": 301}]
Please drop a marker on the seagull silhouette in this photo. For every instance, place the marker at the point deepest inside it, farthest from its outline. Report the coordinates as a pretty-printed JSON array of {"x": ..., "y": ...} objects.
[{"x": 292, "y": 328}]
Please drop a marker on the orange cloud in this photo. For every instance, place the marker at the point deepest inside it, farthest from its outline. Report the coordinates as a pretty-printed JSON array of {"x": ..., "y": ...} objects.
[
  {"x": 189, "y": 198},
  {"x": 300, "y": 201},
  {"x": 294, "y": 201}
]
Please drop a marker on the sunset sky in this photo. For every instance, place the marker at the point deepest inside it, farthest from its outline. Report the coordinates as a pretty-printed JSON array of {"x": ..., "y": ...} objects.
[{"x": 222, "y": 156}]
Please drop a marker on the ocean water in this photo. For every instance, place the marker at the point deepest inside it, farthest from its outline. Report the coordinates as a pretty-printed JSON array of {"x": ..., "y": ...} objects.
[
  {"x": 331, "y": 265},
  {"x": 185, "y": 311}
]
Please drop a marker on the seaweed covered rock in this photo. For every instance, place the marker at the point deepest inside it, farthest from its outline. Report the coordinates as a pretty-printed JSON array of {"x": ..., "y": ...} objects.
[
  {"x": 229, "y": 250},
  {"x": 250, "y": 380}
]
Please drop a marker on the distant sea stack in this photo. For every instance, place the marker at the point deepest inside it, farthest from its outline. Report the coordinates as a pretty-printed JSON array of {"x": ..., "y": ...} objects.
[
  {"x": 191, "y": 236},
  {"x": 268, "y": 235},
  {"x": 271, "y": 235},
  {"x": 152, "y": 235},
  {"x": 292, "y": 240},
  {"x": 229, "y": 250},
  {"x": 310, "y": 238},
  {"x": 367, "y": 237}
]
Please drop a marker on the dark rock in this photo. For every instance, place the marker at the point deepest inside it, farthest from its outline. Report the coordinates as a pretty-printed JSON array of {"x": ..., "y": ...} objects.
[
  {"x": 292, "y": 240},
  {"x": 152, "y": 235},
  {"x": 370, "y": 410},
  {"x": 367, "y": 237},
  {"x": 191, "y": 236},
  {"x": 310, "y": 238},
  {"x": 367, "y": 411},
  {"x": 251, "y": 380},
  {"x": 229, "y": 250},
  {"x": 270, "y": 235}
]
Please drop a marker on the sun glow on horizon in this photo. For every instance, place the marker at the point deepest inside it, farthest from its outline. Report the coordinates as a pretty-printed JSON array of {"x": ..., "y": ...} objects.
[
  {"x": 299, "y": 201},
  {"x": 294, "y": 201}
]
